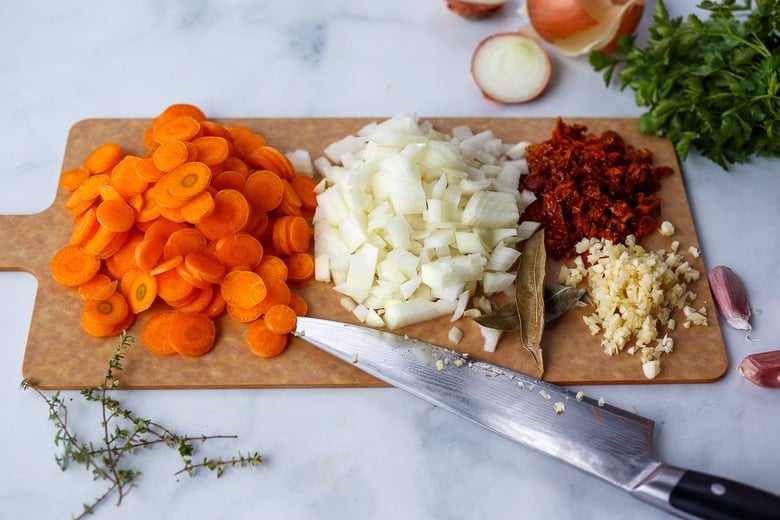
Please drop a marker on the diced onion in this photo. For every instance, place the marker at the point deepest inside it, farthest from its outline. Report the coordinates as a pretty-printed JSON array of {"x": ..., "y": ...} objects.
[{"x": 413, "y": 224}]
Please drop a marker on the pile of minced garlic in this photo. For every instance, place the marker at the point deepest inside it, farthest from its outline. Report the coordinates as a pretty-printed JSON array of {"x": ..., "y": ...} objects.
[{"x": 635, "y": 293}]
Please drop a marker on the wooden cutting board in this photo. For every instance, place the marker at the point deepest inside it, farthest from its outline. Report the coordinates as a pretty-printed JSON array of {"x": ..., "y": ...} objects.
[{"x": 59, "y": 355}]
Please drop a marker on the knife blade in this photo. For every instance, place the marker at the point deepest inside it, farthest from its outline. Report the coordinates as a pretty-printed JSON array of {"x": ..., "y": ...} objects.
[{"x": 594, "y": 437}]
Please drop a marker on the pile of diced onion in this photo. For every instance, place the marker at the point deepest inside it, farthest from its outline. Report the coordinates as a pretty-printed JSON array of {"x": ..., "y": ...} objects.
[{"x": 414, "y": 224}]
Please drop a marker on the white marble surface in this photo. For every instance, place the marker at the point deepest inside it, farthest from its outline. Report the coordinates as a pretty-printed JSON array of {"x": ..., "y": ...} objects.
[{"x": 337, "y": 453}]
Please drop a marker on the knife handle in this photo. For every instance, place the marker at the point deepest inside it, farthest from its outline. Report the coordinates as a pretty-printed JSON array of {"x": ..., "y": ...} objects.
[
  {"x": 692, "y": 494},
  {"x": 708, "y": 496}
]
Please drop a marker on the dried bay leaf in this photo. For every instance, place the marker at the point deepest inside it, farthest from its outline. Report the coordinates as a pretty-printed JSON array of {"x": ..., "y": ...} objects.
[
  {"x": 557, "y": 300},
  {"x": 529, "y": 296},
  {"x": 560, "y": 298}
]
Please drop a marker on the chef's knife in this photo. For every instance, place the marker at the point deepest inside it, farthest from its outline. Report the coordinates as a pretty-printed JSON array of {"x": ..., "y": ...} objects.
[{"x": 593, "y": 436}]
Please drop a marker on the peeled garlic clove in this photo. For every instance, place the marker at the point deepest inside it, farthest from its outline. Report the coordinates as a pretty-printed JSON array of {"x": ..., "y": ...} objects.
[
  {"x": 762, "y": 369},
  {"x": 730, "y": 297},
  {"x": 577, "y": 27}
]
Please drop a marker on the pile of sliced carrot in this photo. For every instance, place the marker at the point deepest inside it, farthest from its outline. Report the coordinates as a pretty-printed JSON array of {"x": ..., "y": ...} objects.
[{"x": 210, "y": 220}]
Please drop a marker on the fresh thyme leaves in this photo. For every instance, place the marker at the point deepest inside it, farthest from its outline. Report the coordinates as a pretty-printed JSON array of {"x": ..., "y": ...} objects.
[
  {"x": 122, "y": 433},
  {"x": 709, "y": 83}
]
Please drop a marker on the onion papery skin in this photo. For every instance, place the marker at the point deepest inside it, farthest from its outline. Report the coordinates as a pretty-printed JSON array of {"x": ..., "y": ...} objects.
[{"x": 576, "y": 27}]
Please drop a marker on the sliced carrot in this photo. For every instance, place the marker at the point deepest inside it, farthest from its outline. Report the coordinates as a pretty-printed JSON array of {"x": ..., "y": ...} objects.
[
  {"x": 179, "y": 109},
  {"x": 124, "y": 258},
  {"x": 136, "y": 202},
  {"x": 272, "y": 266},
  {"x": 109, "y": 311},
  {"x": 143, "y": 292},
  {"x": 192, "y": 334},
  {"x": 269, "y": 158},
  {"x": 291, "y": 203},
  {"x": 149, "y": 211},
  {"x": 105, "y": 242},
  {"x": 148, "y": 252},
  {"x": 280, "y": 319},
  {"x": 101, "y": 286},
  {"x": 264, "y": 343},
  {"x": 244, "y": 315},
  {"x": 148, "y": 138},
  {"x": 103, "y": 158},
  {"x": 198, "y": 207},
  {"x": 243, "y": 289},
  {"x": 76, "y": 207},
  {"x": 189, "y": 179},
  {"x": 212, "y": 149},
  {"x": 200, "y": 301},
  {"x": 89, "y": 190},
  {"x": 212, "y": 128},
  {"x": 72, "y": 178},
  {"x": 277, "y": 292},
  {"x": 239, "y": 250},
  {"x": 299, "y": 305},
  {"x": 304, "y": 187},
  {"x": 229, "y": 179},
  {"x": 184, "y": 241},
  {"x": 191, "y": 278},
  {"x": 71, "y": 266},
  {"x": 230, "y": 215},
  {"x": 258, "y": 224},
  {"x": 173, "y": 214},
  {"x": 84, "y": 227},
  {"x": 204, "y": 267},
  {"x": 264, "y": 190},
  {"x": 171, "y": 287},
  {"x": 216, "y": 307},
  {"x": 127, "y": 279},
  {"x": 163, "y": 228},
  {"x": 170, "y": 155},
  {"x": 191, "y": 224},
  {"x": 115, "y": 215},
  {"x": 154, "y": 333},
  {"x": 233, "y": 163},
  {"x": 100, "y": 330},
  {"x": 125, "y": 177},
  {"x": 177, "y": 128},
  {"x": 245, "y": 141},
  {"x": 147, "y": 170},
  {"x": 108, "y": 192},
  {"x": 300, "y": 267},
  {"x": 291, "y": 234},
  {"x": 166, "y": 265}
]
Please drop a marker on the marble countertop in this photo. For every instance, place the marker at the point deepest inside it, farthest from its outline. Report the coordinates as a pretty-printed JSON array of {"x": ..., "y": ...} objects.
[{"x": 344, "y": 453}]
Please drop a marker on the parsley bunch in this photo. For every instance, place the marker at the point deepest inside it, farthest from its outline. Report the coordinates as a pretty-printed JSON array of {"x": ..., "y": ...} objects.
[{"x": 711, "y": 83}]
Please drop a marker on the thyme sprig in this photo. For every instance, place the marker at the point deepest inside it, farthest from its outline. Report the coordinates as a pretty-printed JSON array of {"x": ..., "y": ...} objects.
[{"x": 122, "y": 434}]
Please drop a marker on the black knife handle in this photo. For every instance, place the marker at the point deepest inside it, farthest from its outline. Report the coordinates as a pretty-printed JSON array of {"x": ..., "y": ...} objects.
[{"x": 711, "y": 497}]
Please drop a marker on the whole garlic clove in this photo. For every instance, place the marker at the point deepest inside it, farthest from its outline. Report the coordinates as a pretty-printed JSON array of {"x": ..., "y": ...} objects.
[
  {"x": 762, "y": 369},
  {"x": 730, "y": 297}
]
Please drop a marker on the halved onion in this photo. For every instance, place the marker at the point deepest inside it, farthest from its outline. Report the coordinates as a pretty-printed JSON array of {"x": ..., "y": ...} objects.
[
  {"x": 510, "y": 67},
  {"x": 577, "y": 27}
]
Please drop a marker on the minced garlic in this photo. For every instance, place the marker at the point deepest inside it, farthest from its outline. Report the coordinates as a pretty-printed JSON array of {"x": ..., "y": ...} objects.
[
  {"x": 635, "y": 292},
  {"x": 666, "y": 229}
]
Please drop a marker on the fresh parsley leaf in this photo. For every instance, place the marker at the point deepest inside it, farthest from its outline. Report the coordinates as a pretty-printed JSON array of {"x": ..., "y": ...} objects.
[{"x": 708, "y": 83}]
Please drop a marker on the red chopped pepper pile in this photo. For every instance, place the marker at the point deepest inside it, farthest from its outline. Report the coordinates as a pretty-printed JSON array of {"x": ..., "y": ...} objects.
[{"x": 590, "y": 186}]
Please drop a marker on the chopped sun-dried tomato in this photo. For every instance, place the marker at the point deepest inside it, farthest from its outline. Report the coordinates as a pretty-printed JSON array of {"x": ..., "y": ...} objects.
[{"x": 590, "y": 186}]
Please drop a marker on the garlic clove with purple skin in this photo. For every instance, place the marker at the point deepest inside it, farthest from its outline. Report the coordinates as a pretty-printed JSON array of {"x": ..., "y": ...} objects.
[
  {"x": 730, "y": 297},
  {"x": 762, "y": 369}
]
